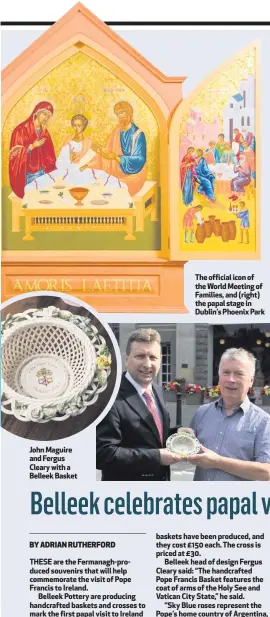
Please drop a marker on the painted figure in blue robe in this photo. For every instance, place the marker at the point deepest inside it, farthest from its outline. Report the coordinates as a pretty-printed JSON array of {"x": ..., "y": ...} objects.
[
  {"x": 241, "y": 179},
  {"x": 187, "y": 176},
  {"x": 124, "y": 155},
  {"x": 243, "y": 215},
  {"x": 204, "y": 177}
]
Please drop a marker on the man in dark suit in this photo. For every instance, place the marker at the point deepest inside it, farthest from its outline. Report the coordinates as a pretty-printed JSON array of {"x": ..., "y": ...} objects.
[{"x": 131, "y": 439}]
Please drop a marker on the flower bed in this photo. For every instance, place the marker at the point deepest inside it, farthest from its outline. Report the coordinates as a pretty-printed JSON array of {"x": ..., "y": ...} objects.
[
  {"x": 193, "y": 394},
  {"x": 265, "y": 394},
  {"x": 213, "y": 392}
]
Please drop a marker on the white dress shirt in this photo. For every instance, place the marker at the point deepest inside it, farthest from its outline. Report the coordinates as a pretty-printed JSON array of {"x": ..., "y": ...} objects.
[{"x": 141, "y": 392}]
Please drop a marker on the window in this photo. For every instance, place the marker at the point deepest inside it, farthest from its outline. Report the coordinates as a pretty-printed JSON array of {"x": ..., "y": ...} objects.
[
  {"x": 166, "y": 363},
  {"x": 252, "y": 337},
  {"x": 116, "y": 330},
  {"x": 231, "y": 105},
  {"x": 244, "y": 98},
  {"x": 242, "y": 121},
  {"x": 248, "y": 121}
]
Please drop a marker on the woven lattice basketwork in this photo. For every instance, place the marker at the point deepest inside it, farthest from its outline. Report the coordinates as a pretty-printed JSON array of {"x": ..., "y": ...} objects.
[
  {"x": 183, "y": 444},
  {"x": 54, "y": 364}
]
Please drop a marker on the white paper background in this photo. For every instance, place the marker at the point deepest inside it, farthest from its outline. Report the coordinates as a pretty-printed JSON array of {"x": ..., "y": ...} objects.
[{"x": 118, "y": 10}]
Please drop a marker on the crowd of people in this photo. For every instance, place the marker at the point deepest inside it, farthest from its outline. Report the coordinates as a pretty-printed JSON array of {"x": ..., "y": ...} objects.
[
  {"x": 230, "y": 162},
  {"x": 197, "y": 168}
]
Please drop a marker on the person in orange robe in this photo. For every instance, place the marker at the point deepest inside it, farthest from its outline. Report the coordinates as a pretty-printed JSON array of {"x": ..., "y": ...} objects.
[
  {"x": 189, "y": 220},
  {"x": 31, "y": 149}
]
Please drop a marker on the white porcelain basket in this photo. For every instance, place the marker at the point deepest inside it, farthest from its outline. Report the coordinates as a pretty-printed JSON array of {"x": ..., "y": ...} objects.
[
  {"x": 54, "y": 364},
  {"x": 183, "y": 444}
]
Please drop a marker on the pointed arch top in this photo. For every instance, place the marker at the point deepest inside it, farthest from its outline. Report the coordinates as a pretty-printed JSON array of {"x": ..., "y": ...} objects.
[
  {"x": 79, "y": 26},
  {"x": 185, "y": 104}
]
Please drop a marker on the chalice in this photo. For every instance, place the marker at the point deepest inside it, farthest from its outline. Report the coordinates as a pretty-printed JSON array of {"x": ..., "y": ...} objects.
[{"x": 79, "y": 192}]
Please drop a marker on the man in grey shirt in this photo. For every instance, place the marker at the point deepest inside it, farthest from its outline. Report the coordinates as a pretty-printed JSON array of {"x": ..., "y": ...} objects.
[{"x": 234, "y": 434}]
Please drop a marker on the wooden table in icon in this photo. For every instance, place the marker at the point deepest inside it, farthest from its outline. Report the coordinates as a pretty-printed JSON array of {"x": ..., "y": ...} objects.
[
  {"x": 145, "y": 202},
  {"x": 63, "y": 215},
  {"x": 73, "y": 218},
  {"x": 16, "y": 212},
  {"x": 51, "y": 210}
]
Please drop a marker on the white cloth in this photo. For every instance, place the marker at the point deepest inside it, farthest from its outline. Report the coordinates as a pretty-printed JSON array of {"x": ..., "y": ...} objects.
[
  {"x": 71, "y": 174},
  {"x": 199, "y": 217}
]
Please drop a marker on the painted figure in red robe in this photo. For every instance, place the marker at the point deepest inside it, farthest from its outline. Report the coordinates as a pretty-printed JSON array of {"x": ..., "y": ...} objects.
[{"x": 31, "y": 149}]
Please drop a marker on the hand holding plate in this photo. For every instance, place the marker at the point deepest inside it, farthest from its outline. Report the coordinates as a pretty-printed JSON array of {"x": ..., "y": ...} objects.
[{"x": 207, "y": 459}]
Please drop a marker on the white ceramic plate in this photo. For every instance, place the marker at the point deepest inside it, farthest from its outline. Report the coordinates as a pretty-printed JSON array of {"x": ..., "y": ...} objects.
[{"x": 183, "y": 444}]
